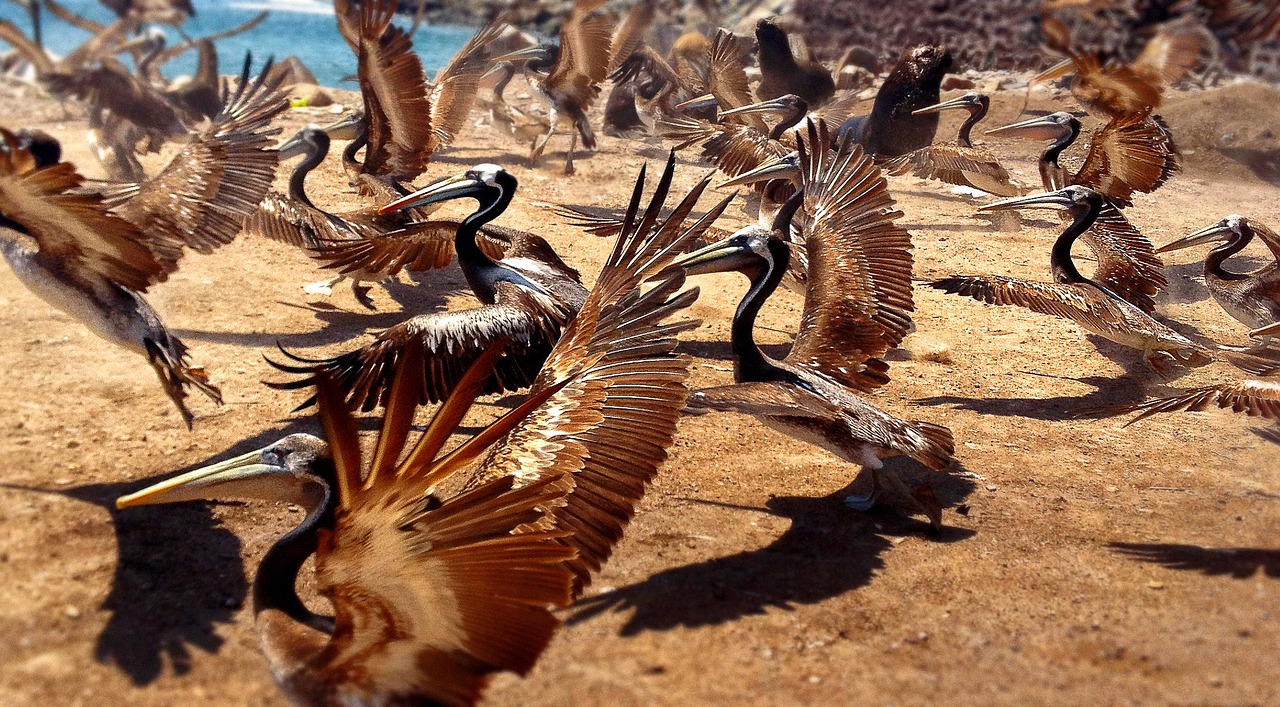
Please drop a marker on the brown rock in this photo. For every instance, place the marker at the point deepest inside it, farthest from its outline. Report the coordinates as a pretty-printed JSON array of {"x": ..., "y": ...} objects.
[{"x": 952, "y": 82}]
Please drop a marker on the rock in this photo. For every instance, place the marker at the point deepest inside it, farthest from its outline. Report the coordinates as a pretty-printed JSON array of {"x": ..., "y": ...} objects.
[
  {"x": 952, "y": 82},
  {"x": 292, "y": 72},
  {"x": 854, "y": 78},
  {"x": 309, "y": 94}
]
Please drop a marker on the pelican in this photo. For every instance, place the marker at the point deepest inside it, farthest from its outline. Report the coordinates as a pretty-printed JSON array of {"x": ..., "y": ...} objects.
[
  {"x": 362, "y": 245},
  {"x": 578, "y": 65},
  {"x": 1075, "y": 297},
  {"x": 1251, "y": 297},
  {"x": 406, "y": 119},
  {"x": 959, "y": 162},
  {"x": 431, "y": 592},
  {"x": 1251, "y": 397},
  {"x": 527, "y": 297},
  {"x": 857, "y": 308},
  {"x": 782, "y": 73},
  {"x": 890, "y": 129},
  {"x": 92, "y": 254}
]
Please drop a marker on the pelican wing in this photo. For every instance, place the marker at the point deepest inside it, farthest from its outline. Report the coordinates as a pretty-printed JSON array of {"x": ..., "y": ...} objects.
[
  {"x": 396, "y": 103},
  {"x": 631, "y": 32},
  {"x": 204, "y": 195},
  {"x": 112, "y": 87},
  {"x": 585, "y": 38},
  {"x": 294, "y": 223},
  {"x": 455, "y": 88},
  {"x": 453, "y": 341},
  {"x": 1173, "y": 51},
  {"x": 951, "y": 163},
  {"x": 727, "y": 80},
  {"x": 1131, "y": 153},
  {"x": 756, "y": 398},
  {"x": 859, "y": 300},
  {"x": 431, "y": 595},
  {"x": 72, "y": 230},
  {"x": 731, "y": 147},
  {"x": 1251, "y": 397},
  {"x": 609, "y": 428},
  {"x": 1074, "y": 302},
  {"x": 1127, "y": 262},
  {"x": 418, "y": 247},
  {"x": 1116, "y": 90}
]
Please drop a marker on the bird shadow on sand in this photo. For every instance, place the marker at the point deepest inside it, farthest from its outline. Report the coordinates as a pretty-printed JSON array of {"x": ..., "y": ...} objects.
[
  {"x": 178, "y": 575},
  {"x": 828, "y": 550},
  {"x": 1236, "y": 562},
  {"x": 429, "y": 292}
]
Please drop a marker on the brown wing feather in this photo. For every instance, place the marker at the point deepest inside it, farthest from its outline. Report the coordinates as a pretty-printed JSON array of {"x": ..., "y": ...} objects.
[
  {"x": 728, "y": 82},
  {"x": 455, "y": 88},
  {"x": 1115, "y": 90},
  {"x": 631, "y": 32},
  {"x": 1172, "y": 52},
  {"x": 417, "y": 247},
  {"x": 609, "y": 429},
  {"x": 1253, "y": 398},
  {"x": 585, "y": 37},
  {"x": 859, "y": 300},
  {"x": 1131, "y": 153},
  {"x": 73, "y": 231},
  {"x": 1074, "y": 302},
  {"x": 204, "y": 195},
  {"x": 948, "y": 162},
  {"x": 396, "y": 103},
  {"x": 732, "y": 148},
  {"x": 1127, "y": 262},
  {"x": 285, "y": 220}
]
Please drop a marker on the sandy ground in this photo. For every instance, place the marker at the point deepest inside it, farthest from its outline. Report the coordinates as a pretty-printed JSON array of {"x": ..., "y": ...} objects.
[{"x": 743, "y": 580}]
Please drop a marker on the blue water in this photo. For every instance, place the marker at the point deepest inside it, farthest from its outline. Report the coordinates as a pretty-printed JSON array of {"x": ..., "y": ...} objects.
[{"x": 304, "y": 28}]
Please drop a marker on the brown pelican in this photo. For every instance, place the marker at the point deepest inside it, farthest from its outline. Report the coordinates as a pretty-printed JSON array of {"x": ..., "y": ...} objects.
[
  {"x": 959, "y": 162},
  {"x": 1251, "y": 397},
  {"x": 167, "y": 12},
  {"x": 1075, "y": 297},
  {"x": 1250, "y": 297},
  {"x": 782, "y": 73},
  {"x": 92, "y": 255},
  {"x": 473, "y": 575},
  {"x": 857, "y": 308},
  {"x": 891, "y": 129},
  {"x": 577, "y": 67},
  {"x": 527, "y": 297}
]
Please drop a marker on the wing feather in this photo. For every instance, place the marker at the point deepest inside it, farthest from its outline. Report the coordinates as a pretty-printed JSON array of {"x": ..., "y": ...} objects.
[
  {"x": 1127, "y": 262},
  {"x": 396, "y": 103},
  {"x": 455, "y": 88},
  {"x": 1131, "y": 153},
  {"x": 585, "y": 38},
  {"x": 1251, "y": 397}
]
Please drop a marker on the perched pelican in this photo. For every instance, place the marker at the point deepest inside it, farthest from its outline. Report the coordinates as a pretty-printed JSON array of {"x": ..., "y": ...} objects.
[
  {"x": 858, "y": 307},
  {"x": 1251, "y": 397},
  {"x": 528, "y": 297},
  {"x": 578, "y": 65},
  {"x": 92, "y": 254},
  {"x": 474, "y": 575},
  {"x": 1072, "y": 295},
  {"x": 892, "y": 129},
  {"x": 1250, "y": 297},
  {"x": 782, "y": 73},
  {"x": 960, "y": 162}
]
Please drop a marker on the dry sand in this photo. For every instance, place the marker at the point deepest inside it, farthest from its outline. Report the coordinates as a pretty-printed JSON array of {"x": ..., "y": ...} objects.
[{"x": 743, "y": 580}]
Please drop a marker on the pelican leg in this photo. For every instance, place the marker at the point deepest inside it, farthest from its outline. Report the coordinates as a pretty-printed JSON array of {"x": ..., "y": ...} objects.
[
  {"x": 569, "y": 171},
  {"x": 865, "y": 502},
  {"x": 1159, "y": 361},
  {"x": 541, "y": 143},
  {"x": 921, "y": 497},
  {"x": 324, "y": 287}
]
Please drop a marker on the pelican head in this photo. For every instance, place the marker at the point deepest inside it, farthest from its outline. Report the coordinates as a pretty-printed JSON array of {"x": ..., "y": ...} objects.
[
  {"x": 741, "y": 252},
  {"x": 1054, "y": 126},
  {"x": 1232, "y": 228},
  {"x": 347, "y": 127},
  {"x": 1070, "y": 198},
  {"x": 475, "y": 182},
  {"x": 538, "y": 57},
  {"x": 784, "y": 167},
  {"x": 782, "y": 104},
  {"x": 970, "y": 101},
  {"x": 303, "y": 140},
  {"x": 278, "y": 472}
]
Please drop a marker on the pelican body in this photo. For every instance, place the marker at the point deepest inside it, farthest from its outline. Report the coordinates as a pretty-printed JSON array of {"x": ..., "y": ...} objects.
[
  {"x": 960, "y": 162},
  {"x": 890, "y": 130}
]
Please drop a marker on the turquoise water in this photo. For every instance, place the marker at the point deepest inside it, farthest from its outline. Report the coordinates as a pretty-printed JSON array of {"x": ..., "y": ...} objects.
[{"x": 304, "y": 28}]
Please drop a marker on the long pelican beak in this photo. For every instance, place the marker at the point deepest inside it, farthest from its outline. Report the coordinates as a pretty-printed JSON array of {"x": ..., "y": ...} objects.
[
  {"x": 699, "y": 103},
  {"x": 726, "y": 255},
  {"x": 245, "y": 476},
  {"x": 1048, "y": 200},
  {"x": 455, "y": 187},
  {"x": 777, "y": 105},
  {"x": 1219, "y": 231},
  {"x": 1066, "y": 67},
  {"x": 1268, "y": 330},
  {"x": 965, "y": 101},
  {"x": 1042, "y": 128},
  {"x": 345, "y": 128},
  {"x": 780, "y": 168},
  {"x": 292, "y": 147},
  {"x": 521, "y": 55}
]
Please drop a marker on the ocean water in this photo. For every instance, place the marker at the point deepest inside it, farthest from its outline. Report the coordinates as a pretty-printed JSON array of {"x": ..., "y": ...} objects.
[{"x": 303, "y": 28}]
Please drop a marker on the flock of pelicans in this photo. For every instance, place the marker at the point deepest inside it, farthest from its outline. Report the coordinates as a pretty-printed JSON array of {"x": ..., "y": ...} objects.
[{"x": 437, "y": 583}]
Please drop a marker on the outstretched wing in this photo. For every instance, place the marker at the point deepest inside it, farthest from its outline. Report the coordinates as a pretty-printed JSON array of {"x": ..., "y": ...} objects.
[
  {"x": 394, "y": 87},
  {"x": 204, "y": 195},
  {"x": 1065, "y": 301},
  {"x": 431, "y": 596},
  {"x": 72, "y": 231},
  {"x": 1251, "y": 397},
  {"x": 609, "y": 428},
  {"x": 954, "y": 164},
  {"x": 585, "y": 37},
  {"x": 631, "y": 32},
  {"x": 1116, "y": 90},
  {"x": 732, "y": 148},
  {"x": 859, "y": 301},
  {"x": 455, "y": 87},
  {"x": 727, "y": 80},
  {"x": 1131, "y": 153},
  {"x": 418, "y": 247},
  {"x": 1127, "y": 262}
]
